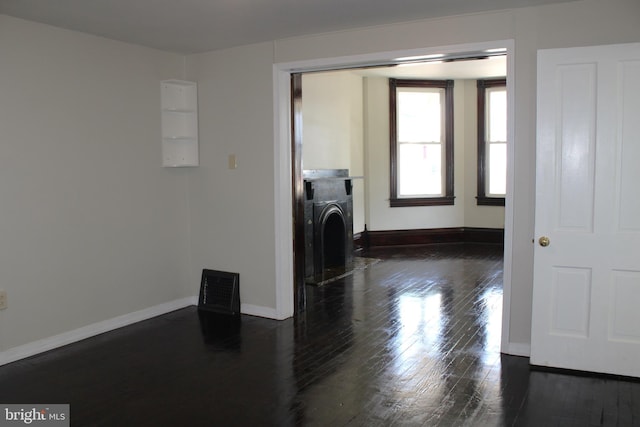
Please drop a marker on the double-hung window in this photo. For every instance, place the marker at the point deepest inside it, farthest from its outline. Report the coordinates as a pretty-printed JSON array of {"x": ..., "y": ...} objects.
[
  {"x": 492, "y": 142},
  {"x": 421, "y": 135}
]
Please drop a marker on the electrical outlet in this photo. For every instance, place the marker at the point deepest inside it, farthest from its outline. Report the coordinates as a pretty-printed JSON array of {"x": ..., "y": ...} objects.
[{"x": 3, "y": 299}]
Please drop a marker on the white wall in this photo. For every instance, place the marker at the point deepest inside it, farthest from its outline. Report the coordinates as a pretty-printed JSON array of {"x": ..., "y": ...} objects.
[
  {"x": 332, "y": 116},
  {"x": 474, "y": 215},
  {"x": 464, "y": 212},
  {"x": 326, "y": 117},
  {"x": 380, "y": 215},
  {"x": 333, "y": 128},
  {"x": 357, "y": 152},
  {"x": 232, "y": 211},
  {"x": 92, "y": 226}
]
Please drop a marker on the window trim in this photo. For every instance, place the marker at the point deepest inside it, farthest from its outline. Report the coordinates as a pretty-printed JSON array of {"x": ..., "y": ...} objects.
[
  {"x": 482, "y": 198},
  {"x": 448, "y": 198}
]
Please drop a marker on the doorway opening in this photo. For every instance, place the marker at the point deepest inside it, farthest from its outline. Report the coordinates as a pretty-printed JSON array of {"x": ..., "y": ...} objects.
[{"x": 288, "y": 87}]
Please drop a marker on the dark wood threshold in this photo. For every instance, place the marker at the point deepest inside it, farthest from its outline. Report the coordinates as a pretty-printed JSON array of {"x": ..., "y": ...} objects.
[{"x": 368, "y": 238}]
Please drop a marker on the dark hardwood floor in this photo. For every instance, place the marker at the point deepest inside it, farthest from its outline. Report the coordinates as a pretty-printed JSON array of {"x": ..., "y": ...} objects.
[{"x": 412, "y": 340}]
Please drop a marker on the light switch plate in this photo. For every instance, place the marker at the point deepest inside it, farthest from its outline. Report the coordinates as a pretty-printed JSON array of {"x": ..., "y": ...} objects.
[{"x": 233, "y": 164}]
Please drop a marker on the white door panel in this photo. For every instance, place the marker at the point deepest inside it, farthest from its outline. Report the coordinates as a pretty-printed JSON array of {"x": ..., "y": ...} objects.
[
  {"x": 586, "y": 297},
  {"x": 628, "y": 195}
]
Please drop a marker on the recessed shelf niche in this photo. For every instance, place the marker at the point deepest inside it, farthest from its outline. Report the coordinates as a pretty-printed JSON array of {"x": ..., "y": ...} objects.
[{"x": 179, "y": 101}]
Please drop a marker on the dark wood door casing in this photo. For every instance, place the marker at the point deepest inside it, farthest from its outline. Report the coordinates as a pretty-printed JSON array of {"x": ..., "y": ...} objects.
[{"x": 299, "y": 293}]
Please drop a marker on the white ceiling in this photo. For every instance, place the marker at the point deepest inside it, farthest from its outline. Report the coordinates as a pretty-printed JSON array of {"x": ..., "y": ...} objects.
[{"x": 190, "y": 26}]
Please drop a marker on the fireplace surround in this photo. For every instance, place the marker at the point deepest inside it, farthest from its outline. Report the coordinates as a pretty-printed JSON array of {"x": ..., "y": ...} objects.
[{"x": 328, "y": 220}]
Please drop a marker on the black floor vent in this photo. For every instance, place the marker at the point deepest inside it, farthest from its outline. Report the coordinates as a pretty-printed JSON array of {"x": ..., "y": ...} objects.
[{"x": 220, "y": 292}]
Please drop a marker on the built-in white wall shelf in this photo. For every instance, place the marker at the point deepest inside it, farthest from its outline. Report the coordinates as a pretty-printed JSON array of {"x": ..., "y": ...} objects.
[{"x": 179, "y": 101}]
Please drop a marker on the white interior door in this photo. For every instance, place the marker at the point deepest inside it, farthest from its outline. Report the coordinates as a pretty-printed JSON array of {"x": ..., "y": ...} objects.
[{"x": 586, "y": 296}]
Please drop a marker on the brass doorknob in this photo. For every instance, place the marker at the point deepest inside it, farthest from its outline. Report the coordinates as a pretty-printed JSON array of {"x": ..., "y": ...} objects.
[{"x": 544, "y": 241}]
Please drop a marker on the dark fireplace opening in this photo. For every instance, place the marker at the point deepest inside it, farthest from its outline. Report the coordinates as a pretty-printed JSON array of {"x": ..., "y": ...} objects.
[{"x": 333, "y": 240}]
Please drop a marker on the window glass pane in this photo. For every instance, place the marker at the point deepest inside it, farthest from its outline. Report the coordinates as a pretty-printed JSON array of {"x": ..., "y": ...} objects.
[
  {"x": 419, "y": 116},
  {"x": 420, "y": 170},
  {"x": 497, "y": 114},
  {"x": 497, "y": 168}
]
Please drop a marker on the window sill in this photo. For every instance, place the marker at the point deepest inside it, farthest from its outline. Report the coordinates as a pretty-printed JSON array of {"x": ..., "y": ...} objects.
[
  {"x": 424, "y": 201},
  {"x": 490, "y": 201}
]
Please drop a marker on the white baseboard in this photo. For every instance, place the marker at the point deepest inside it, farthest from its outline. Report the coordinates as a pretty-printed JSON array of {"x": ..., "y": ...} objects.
[
  {"x": 56, "y": 341},
  {"x": 258, "y": 310},
  {"x": 46, "y": 344},
  {"x": 518, "y": 349}
]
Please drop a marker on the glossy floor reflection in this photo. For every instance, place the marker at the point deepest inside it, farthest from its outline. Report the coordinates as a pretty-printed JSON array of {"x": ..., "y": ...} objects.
[
  {"x": 410, "y": 341},
  {"x": 420, "y": 339}
]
